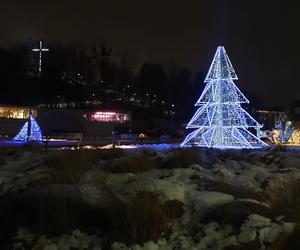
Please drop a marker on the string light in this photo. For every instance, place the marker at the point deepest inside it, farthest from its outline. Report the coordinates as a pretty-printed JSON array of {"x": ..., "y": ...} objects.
[
  {"x": 30, "y": 132},
  {"x": 220, "y": 120}
]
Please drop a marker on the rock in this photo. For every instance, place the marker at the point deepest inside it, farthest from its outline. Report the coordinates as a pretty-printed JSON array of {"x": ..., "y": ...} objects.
[
  {"x": 222, "y": 171},
  {"x": 269, "y": 234},
  {"x": 196, "y": 167},
  {"x": 211, "y": 228},
  {"x": 203, "y": 200},
  {"x": 258, "y": 221},
  {"x": 288, "y": 227},
  {"x": 279, "y": 218},
  {"x": 247, "y": 234}
]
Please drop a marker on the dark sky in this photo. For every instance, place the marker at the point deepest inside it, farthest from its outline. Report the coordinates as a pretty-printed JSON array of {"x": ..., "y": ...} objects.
[{"x": 261, "y": 37}]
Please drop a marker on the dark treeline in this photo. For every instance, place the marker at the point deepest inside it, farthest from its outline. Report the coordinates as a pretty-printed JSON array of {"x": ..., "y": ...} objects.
[{"x": 79, "y": 75}]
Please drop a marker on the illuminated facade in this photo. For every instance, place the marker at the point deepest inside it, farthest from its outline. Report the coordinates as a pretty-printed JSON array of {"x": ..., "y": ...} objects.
[
  {"x": 107, "y": 116},
  {"x": 220, "y": 121},
  {"x": 11, "y": 112}
]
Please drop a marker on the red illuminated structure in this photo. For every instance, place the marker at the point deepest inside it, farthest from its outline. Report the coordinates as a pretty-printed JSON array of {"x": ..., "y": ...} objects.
[{"x": 107, "y": 116}]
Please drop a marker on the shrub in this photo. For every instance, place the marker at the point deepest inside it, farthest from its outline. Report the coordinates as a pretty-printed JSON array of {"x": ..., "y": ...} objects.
[
  {"x": 238, "y": 192},
  {"x": 53, "y": 210},
  {"x": 132, "y": 164},
  {"x": 234, "y": 213},
  {"x": 282, "y": 192},
  {"x": 236, "y": 155},
  {"x": 108, "y": 154},
  {"x": 252, "y": 245},
  {"x": 287, "y": 241},
  {"x": 69, "y": 166},
  {"x": 183, "y": 158},
  {"x": 143, "y": 218}
]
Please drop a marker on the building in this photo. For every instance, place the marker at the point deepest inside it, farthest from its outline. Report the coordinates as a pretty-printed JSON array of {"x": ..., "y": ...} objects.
[
  {"x": 12, "y": 118},
  {"x": 92, "y": 123}
]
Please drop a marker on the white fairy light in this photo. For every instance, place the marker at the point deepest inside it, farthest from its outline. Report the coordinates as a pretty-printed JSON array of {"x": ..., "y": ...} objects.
[
  {"x": 220, "y": 120},
  {"x": 41, "y": 50}
]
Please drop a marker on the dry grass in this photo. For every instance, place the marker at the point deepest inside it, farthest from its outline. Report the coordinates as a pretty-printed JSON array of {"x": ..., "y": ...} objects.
[
  {"x": 69, "y": 166},
  {"x": 281, "y": 196},
  {"x": 253, "y": 245},
  {"x": 234, "y": 213},
  {"x": 132, "y": 164},
  {"x": 287, "y": 241},
  {"x": 183, "y": 158},
  {"x": 236, "y": 155},
  {"x": 238, "y": 192},
  {"x": 143, "y": 218},
  {"x": 282, "y": 193}
]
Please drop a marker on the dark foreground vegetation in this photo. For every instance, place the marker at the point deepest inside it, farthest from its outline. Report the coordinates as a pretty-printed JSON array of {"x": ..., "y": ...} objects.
[{"x": 78, "y": 190}]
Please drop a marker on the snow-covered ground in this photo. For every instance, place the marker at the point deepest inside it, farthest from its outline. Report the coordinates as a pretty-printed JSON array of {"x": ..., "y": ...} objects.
[{"x": 219, "y": 179}]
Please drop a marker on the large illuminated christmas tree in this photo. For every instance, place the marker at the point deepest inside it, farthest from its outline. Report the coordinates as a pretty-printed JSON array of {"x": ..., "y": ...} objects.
[
  {"x": 220, "y": 121},
  {"x": 30, "y": 132}
]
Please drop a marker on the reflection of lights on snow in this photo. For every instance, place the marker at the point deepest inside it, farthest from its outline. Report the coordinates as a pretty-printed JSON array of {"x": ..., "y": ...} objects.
[{"x": 143, "y": 146}]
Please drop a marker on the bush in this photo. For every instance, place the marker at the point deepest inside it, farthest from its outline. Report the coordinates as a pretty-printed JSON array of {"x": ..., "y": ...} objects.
[
  {"x": 132, "y": 164},
  {"x": 234, "y": 213},
  {"x": 282, "y": 192},
  {"x": 238, "y": 192},
  {"x": 143, "y": 218},
  {"x": 236, "y": 155},
  {"x": 108, "y": 154},
  {"x": 287, "y": 241},
  {"x": 183, "y": 158},
  {"x": 69, "y": 166}
]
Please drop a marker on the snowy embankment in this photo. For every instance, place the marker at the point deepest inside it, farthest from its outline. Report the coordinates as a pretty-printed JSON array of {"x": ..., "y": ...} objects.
[{"x": 229, "y": 198}]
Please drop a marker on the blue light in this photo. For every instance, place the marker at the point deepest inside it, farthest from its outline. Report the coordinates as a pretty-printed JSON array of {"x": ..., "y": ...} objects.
[
  {"x": 220, "y": 120},
  {"x": 285, "y": 130},
  {"x": 30, "y": 132}
]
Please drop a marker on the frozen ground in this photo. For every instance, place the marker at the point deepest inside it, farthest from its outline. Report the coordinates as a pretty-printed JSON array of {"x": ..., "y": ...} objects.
[{"x": 229, "y": 198}]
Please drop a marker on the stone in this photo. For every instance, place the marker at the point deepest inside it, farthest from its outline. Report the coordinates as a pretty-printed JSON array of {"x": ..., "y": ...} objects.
[
  {"x": 247, "y": 234},
  {"x": 258, "y": 221}
]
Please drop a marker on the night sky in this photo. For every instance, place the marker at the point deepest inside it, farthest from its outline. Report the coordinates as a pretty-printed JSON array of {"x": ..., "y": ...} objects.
[{"x": 261, "y": 37}]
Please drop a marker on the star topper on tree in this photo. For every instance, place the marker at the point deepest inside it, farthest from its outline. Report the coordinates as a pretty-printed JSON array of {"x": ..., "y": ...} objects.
[{"x": 220, "y": 121}]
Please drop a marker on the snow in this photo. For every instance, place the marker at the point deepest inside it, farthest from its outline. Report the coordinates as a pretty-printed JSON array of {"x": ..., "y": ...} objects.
[{"x": 189, "y": 185}]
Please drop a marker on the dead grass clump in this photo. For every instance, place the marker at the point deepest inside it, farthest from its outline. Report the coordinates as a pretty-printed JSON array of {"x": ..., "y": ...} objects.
[
  {"x": 273, "y": 156},
  {"x": 143, "y": 218},
  {"x": 234, "y": 213},
  {"x": 236, "y": 155},
  {"x": 238, "y": 192},
  {"x": 132, "y": 164},
  {"x": 252, "y": 245},
  {"x": 183, "y": 158},
  {"x": 70, "y": 166},
  {"x": 287, "y": 241},
  {"x": 108, "y": 154},
  {"x": 54, "y": 210},
  {"x": 282, "y": 193}
]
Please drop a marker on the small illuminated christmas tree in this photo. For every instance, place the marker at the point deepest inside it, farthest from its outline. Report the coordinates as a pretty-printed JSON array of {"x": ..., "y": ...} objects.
[
  {"x": 220, "y": 121},
  {"x": 30, "y": 132}
]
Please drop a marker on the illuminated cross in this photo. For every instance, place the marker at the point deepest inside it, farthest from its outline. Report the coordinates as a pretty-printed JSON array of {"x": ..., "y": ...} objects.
[{"x": 40, "y": 50}]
